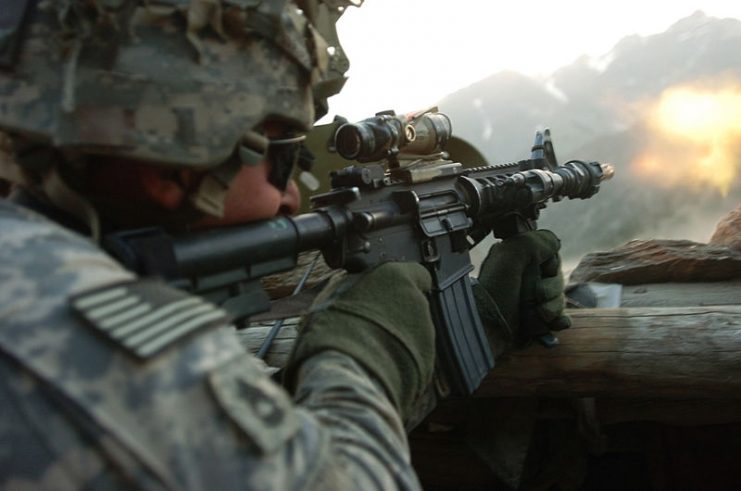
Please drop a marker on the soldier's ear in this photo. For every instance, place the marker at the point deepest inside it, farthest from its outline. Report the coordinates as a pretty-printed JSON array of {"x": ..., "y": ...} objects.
[{"x": 163, "y": 187}]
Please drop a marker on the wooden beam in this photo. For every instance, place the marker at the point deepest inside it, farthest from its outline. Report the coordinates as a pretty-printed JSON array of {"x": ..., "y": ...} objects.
[
  {"x": 676, "y": 353},
  {"x": 648, "y": 352}
]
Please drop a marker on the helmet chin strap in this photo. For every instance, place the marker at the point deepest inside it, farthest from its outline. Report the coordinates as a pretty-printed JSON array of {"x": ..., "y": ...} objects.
[
  {"x": 52, "y": 186},
  {"x": 64, "y": 197},
  {"x": 211, "y": 193},
  {"x": 9, "y": 169}
]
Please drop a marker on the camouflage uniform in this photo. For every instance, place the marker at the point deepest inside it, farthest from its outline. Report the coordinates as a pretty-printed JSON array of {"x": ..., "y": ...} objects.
[
  {"x": 93, "y": 392},
  {"x": 78, "y": 410}
]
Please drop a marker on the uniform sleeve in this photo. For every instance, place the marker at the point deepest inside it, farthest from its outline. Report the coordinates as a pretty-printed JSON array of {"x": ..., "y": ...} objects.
[
  {"x": 80, "y": 412},
  {"x": 343, "y": 433},
  {"x": 368, "y": 448}
]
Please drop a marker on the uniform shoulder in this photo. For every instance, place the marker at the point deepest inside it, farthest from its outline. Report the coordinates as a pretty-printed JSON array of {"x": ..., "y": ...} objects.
[{"x": 36, "y": 250}]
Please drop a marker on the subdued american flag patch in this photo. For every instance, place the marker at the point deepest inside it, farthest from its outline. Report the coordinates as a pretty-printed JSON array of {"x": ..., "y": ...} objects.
[{"x": 146, "y": 316}]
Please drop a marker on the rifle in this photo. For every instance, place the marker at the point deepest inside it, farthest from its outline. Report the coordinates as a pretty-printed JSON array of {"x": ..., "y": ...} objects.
[{"x": 406, "y": 201}]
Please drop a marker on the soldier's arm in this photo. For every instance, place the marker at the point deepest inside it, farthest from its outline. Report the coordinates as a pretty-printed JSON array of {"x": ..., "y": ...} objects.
[
  {"x": 364, "y": 432},
  {"x": 80, "y": 409}
]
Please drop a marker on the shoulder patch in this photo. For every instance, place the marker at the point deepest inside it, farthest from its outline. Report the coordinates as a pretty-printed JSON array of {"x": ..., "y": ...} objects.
[
  {"x": 145, "y": 316},
  {"x": 256, "y": 404}
]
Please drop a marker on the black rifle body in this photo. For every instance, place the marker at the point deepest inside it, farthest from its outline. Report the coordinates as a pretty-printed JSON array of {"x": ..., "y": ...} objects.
[{"x": 431, "y": 212}]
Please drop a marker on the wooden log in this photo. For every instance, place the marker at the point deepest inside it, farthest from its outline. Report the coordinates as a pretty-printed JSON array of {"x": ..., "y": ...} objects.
[
  {"x": 673, "y": 353},
  {"x": 277, "y": 355},
  {"x": 660, "y": 261},
  {"x": 676, "y": 353}
]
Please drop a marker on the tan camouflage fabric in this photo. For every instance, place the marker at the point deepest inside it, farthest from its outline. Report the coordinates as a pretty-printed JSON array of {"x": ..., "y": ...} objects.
[
  {"x": 177, "y": 82},
  {"x": 76, "y": 411}
]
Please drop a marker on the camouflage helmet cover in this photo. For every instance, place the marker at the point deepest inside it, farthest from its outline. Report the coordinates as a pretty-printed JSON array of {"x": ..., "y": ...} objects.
[{"x": 177, "y": 82}]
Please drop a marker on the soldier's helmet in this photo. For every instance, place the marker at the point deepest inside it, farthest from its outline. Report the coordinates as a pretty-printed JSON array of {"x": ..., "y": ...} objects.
[{"x": 175, "y": 82}]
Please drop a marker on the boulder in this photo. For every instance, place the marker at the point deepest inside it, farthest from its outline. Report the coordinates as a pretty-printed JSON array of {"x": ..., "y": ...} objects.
[{"x": 728, "y": 232}]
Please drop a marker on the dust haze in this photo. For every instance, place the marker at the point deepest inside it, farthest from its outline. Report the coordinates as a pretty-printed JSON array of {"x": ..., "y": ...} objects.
[{"x": 662, "y": 108}]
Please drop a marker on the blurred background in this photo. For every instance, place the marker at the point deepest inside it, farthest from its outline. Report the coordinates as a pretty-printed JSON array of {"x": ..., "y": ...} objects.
[{"x": 652, "y": 87}]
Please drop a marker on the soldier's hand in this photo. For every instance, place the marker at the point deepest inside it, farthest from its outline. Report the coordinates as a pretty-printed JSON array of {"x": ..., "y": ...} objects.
[
  {"x": 520, "y": 292},
  {"x": 381, "y": 318}
]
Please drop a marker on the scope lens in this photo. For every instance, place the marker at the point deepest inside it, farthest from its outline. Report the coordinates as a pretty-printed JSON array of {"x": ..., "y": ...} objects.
[
  {"x": 351, "y": 139},
  {"x": 348, "y": 141}
]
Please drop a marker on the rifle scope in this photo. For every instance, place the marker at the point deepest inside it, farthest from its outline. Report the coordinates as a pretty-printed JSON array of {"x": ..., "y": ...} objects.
[{"x": 386, "y": 135}]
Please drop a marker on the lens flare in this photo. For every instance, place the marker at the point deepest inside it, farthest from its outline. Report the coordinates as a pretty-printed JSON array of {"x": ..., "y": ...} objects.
[{"x": 695, "y": 136}]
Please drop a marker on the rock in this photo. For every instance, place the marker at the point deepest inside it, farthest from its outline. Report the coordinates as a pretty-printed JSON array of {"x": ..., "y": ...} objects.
[
  {"x": 660, "y": 261},
  {"x": 728, "y": 232}
]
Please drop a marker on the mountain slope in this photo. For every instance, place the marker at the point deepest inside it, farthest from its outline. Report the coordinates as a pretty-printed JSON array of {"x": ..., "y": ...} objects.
[{"x": 596, "y": 109}]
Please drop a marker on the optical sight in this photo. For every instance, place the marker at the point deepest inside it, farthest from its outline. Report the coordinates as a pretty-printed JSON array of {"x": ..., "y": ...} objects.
[{"x": 388, "y": 135}]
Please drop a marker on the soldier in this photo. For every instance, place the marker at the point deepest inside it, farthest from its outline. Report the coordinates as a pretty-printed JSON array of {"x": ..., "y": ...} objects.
[{"x": 185, "y": 115}]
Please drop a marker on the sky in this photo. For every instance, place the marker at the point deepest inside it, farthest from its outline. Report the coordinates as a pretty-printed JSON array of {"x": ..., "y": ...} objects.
[{"x": 408, "y": 54}]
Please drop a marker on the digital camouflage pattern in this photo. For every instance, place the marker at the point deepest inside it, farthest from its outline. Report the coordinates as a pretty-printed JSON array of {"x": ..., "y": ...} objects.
[
  {"x": 175, "y": 82},
  {"x": 77, "y": 411},
  {"x": 178, "y": 82}
]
